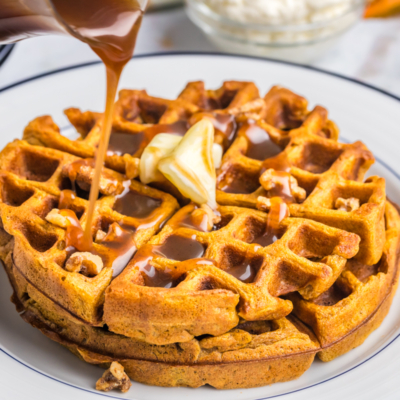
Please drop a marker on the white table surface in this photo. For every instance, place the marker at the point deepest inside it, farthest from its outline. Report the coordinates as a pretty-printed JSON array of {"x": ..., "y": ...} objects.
[{"x": 369, "y": 52}]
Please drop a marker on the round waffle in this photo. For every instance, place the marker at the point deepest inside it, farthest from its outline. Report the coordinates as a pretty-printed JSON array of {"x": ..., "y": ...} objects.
[{"x": 193, "y": 302}]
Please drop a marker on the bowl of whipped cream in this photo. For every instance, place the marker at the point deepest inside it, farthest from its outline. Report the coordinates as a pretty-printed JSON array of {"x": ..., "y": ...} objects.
[{"x": 292, "y": 30}]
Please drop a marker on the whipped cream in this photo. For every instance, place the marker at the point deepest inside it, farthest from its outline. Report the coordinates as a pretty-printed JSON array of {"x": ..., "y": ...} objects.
[{"x": 279, "y": 12}]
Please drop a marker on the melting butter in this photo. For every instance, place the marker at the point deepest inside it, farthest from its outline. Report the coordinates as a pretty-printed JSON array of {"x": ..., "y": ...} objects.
[
  {"x": 188, "y": 162},
  {"x": 161, "y": 146}
]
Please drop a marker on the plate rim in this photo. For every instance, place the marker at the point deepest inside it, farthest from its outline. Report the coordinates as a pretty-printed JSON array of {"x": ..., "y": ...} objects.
[
  {"x": 203, "y": 53},
  {"x": 210, "y": 54}
]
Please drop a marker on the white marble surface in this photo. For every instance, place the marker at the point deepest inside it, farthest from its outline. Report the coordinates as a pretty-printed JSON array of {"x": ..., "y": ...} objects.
[{"x": 369, "y": 52}]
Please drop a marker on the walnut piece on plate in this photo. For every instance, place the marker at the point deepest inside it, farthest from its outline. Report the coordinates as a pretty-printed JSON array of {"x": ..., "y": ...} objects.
[{"x": 114, "y": 378}]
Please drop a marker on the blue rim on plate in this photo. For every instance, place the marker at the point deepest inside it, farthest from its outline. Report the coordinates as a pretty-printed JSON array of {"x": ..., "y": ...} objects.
[
  {"x": 5, "y": 51},
  {"x": 53, "y": 72}
]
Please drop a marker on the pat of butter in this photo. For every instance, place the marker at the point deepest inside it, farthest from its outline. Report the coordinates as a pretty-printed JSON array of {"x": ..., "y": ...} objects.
[
  {"x": 161, "y": 146},
  {"x": 188, "y": 162}
]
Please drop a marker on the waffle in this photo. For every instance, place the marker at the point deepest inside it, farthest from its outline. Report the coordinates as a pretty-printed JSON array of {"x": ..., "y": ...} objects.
[
  {"x": 195, "y": 301},
  {"x": 32, "y": 181},
  {"x": 306, "y": 146},
  {"x": 248, "y": 278},
  {"x": 138, "y": 117}
]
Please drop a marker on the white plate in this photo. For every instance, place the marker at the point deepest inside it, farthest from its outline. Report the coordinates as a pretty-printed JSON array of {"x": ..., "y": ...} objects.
[{"x": 33, "y": 367}]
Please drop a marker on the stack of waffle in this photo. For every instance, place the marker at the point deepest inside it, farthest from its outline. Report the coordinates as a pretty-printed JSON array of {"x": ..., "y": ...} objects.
[{"x": 185, "y": 301}]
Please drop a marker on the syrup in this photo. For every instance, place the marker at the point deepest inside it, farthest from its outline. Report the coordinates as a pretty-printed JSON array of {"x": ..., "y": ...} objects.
[
  {"x": 119, "y": 246},
  {"x": 74, "y": 238},
  {"x": 225, "y": 124},
  {"x": 192, "y": 220},
  {"x": 75, "y": 168},
  {"x": 135, "y": 205},
  {"x": 241, "y": 185},
  {"x": 279, "y": 163},
  {"x": 178, "y": 128},
  {"x": 154, "y": 277},
  {"x": 282, "y": 187},
  {"x": 279, "y": 210},
  {"x": 110, "y": 27},
  {"x": 180, "y": 248},
  {"x": 67, "y": 197},
  {"x": 245, "y": 271},
  {"x": 280, "y": 196},
  {"x": 124, "y": 143},
  {"x": 167, "y": 278},
  {"x": 260, "y": 145}
]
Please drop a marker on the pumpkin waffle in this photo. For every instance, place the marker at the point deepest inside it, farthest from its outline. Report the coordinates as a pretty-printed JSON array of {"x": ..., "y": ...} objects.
[
  {"x": 32, "y": 183},
  {"x": 357, "y": 303},
  {"x": 325, "y": 169},
  {"x": 199, "y": 298},
  {"x": 254, "y": 353},
  {"x": 138, "y": 117},
  {"x": 243, "y": 280}
]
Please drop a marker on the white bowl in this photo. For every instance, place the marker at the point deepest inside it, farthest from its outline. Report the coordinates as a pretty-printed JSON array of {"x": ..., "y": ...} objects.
[{"x": 297, "y": 42}]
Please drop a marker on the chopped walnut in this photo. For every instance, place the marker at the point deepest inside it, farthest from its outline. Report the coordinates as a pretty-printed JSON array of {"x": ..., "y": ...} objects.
[
  {"x": 55, "y": 218},
  {"x": 213, "y": 217},
  {"x": 350, "y": 204},
  {"x": 100, "y": 235},
  {"x": 131, "y": 166},
  {"x": 85, "y": 263},
  {"x": 269, "y": 180},
  {"x": 114, "y": 378},
  {"x": 263, "y": 203}
]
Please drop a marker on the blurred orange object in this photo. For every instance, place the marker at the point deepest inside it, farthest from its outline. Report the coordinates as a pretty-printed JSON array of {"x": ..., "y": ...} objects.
[{"x": 382, "y": 8}]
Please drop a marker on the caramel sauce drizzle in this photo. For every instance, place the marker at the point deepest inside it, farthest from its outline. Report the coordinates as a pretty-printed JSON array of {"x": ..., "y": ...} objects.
[
  {"x": 135, "y": 205},
  {"x": 191, "y": 219},
  {"x": 124, "y": 143},
  {"x": 260, "y": 145},
  {"x": 245, "y": 271},
  {"x": 74, "y": 238},
  {"x": 127, "y": 143},
  {"x": 110, "y": 28},
  {"x": 177, "y": 128},
  {"x": 279, "y": 163},
  {"x": 180, "y": 248},
  {"x": 67, "y": 197},
  {"x": 279, "y": 210},
  {"x": 74, "y": 168},
  {"x": 167, "y": 277},
  {"x": 224, "y": 124},
  {"x": 119, "y": 246}
]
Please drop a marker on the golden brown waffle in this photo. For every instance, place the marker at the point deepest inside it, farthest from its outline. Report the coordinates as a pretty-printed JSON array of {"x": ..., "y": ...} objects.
[
  {"x": 245, "y": 280},
  {"x": 138, "y": 117},
  {"x": 253, "y": 354},
  {"x": 202, "y": 302},
  {"x": 31, "y": 183},
  {"x": 326, "y": 169},
  {"x": 355, "y": 298}
]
